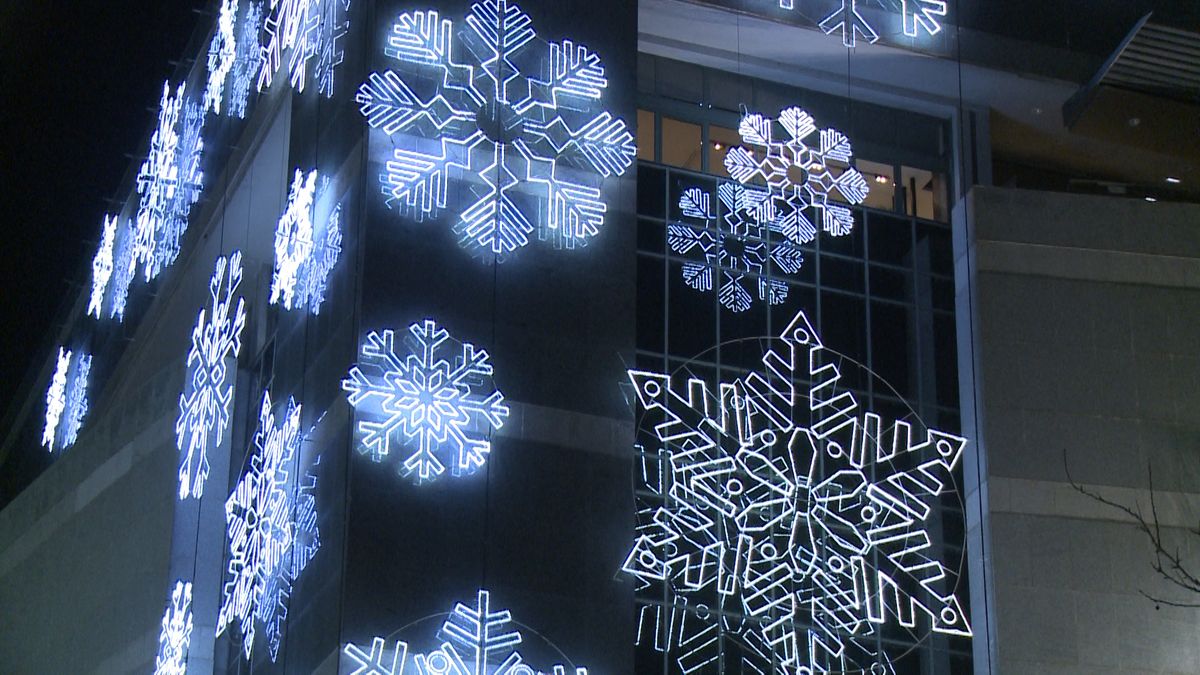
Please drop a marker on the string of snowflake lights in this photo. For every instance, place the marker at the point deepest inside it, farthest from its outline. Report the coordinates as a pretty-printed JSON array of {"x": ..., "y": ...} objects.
[
  {"x": 222, "y": 52},
  {"x": 298, "y": 30},
  {"x": 304, "y": 254},
  {"x": 741, "y": 247},
  {"x": 272, "y": 527},
  {"x": 803, "y": 170},
  {"x": 439, "y": 398},
  {"x": 169, "y": 182},
  {"x": 102, "y": 266},
  {"x": 475, "y": 640},
  {"x": 176, "y": 634},
  {"x": 204, "y": 405},
  {"x": 473, "y": 104},
  {"x": 66, "y": 399},
  {"x": 786, "y": 520}
]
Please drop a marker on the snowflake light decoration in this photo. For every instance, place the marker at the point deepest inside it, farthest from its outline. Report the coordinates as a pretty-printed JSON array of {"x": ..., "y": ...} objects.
[
  {"x": 56, "y": 398},
  {"x": 475, "y": 640},
  {"x": 246, "y": 59},
  {"x": 923, "y": 15},
  {"x": 265, "y": 524},
  {"x": 847, "y": 20},
  {"x": 440, "y": 397},
  {"x": 102, "y": 266},
  {"x": 77, "y": 399},
  {"x": 208, "y": 394},
  {"x": 298, "y": 30},
  {"x": 800, "y": 172},
  {"x": 529, "y": 145},
  {"x": 222, "y": 52},
  {"x": 306, "y": 251},
  {"x": 169, "y": 182},
  {"x": 743, "y": 247},
  {"x": 176, "y": 634},
  {"x": 124, "y": 270},
  {"x": 791, "y": 510}
]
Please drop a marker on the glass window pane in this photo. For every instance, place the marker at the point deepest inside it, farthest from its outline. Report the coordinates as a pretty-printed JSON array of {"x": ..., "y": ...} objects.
[
  {"x": 645, "y": 135},
  {"x": 720, "y": 140},
  {"x": 882, "y": 180},
  {"x": 680, "y": 144},
  {"x": 924, "y": 193}
]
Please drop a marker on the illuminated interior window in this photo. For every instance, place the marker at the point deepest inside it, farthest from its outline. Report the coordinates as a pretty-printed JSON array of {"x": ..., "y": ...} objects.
[
  {"x": 924, "y": 193},
  {"x": 681, "y": 144},
  {"x": 882, "y": 179},
  {"x": 645, "y": 135}
]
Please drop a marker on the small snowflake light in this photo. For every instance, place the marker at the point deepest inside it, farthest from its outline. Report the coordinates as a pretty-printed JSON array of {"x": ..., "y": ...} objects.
[
  {"x": 176, "y": 634},
  {"x": 804, "y": 517},
  {"x": 529, "y": 145},
  {"x": 741, "y": 248},
  {"x": 246, "y": 63},
  {"x": 221, "y": 54},
  {"x": 298, "y": 30},
  {"x": 124, "y": 270},
  {"x": 438, "y": 400},
  {"x": 260, "y": 522},
  {"x": 802, "y": 169},
  {"x": 475, "y": 640},
  {"x": 208, "y": 390},
  {"x": 169, "y": 182},
  {"x": 56, "y": 399},
  {"x": 102, "y": 266}
]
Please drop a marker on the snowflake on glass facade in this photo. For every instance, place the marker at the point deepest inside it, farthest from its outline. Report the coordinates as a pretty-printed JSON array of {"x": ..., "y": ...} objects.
[
  {"x": 246, "y": 59},
  {"x": 222, "y": 52},
  {"x": 176, "y": 634},
  {"x": 56, "y": 398},
  {"x": 306, "y": 250},
  {"x": 169, "y": 182},
  {"x": 77, "y": 400},
  {"x": 800, "y": 172},
  {"x": 208, "y": 394},
  {"x": 529, "y": 145},
  {"x": 474, "y": 641},
  {"x": 272, "y": 609},
  {"x": 124, "y": 270},
  {"x": 263, "y": 525},
  {"x": 439, "y": 396},
  {"x": 741, "y": 248},
  {"x": 797, "y": 518},
  {"x": 847, "y": 20},
  {"x": 102, "y": 266},
  {"x": 298, "y": 30}
]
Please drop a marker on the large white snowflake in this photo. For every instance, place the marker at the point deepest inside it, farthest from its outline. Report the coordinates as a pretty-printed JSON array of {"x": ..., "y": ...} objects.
[
  {"x": 742, "y": 246},
  {"x": 475, "y": 640},
  {"x": 176, "y": 633},
  {"x": 532, "y": 147},
  {"x": 272, "y": 609},
  {"x": 56, "y": 398},
  {"x": 102, "y": 265},
  {"x": 787, "y": 519},
  {"x": 440, "y": 396},
  {"x": 800, "y": 171},
  {"x": 208, "y": 389},
  {"x": 222, "y": 52},
  {"x": 298, "y": 30},
  {"x": 246, "y": 59},
  {"x": 306, "y": 250},
  {"x": 263, "y": 525},
  {"x": 169, "y": 182}
]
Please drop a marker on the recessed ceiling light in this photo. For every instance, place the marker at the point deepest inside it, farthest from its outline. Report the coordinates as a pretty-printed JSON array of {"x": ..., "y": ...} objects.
[{"x": 1173, "y": 180}]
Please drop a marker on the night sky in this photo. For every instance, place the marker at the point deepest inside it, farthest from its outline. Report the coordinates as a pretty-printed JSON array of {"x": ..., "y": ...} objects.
[{"x": 79, "y": 87}]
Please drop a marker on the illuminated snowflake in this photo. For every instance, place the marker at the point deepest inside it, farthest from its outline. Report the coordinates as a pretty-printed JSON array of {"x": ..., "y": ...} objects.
[
  {"x": 262, "y": 527},
  {"x": 246, "y": 60},
  {"x": 314, "y": 276},
  {"x": 847, "y": 20},
  {"x": 474, "y": 641},
  {"x": 298, "y": 30},
  {"x": 272, "y": 610},
  {"x": 222, "y": 52},
  {"x": 741, "y": 248},
  {"x": 530, "y": 145},
  {"x": 169, "y": 182},
  {"x": 792, "y": 510},
  {"x": 923, "y": 15},
  {"x": 305, "y": 251},
  {"x": 801, "y": 173},
  {"x": 77, "y": 399},
  {"x": 124, "y": 270},
  {"x": 208, "y": 394},
  {"x": 56, "y": 398},
  {"x": 176, "y": 634},
  {"x": 439, "y": 396},
  {"x": 102, "y": 266}
]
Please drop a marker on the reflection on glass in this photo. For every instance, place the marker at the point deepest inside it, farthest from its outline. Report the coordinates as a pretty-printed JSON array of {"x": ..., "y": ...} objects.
[
  {"x": 720, "y": 139},
  {"x": 645, "y": 135},
  {"x": 924, "y": 193},
  {"x": 882, "y": 179},
  {"x": 680, "y": 144}
]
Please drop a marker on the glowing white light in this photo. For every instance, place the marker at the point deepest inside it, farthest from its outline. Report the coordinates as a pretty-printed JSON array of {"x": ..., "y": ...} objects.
[
  {"x": 300, "y": 30},
  {"x": 923, "y": 15},
  {"x": 56, "y": 399},
  {"x": 439, "y": 396},
  {"x": 246, "y": 61},
  {"x": 786, "y": 4},
  {"x": 102, "y": 266},
  {"x": 293, "y": 238},
  {"x": 221, "y": 54},
  {"x": 169, "y": 182},
  {"x": 509, "y": 130},
  {"x": 475, "y": 641},
  {"x": 791, "y": 509},
  {"x": 272, "y": 534},
  {"x": 314, "y": 278},
  {"x": 742, "y": 247},
  {"x": 851, "y": 24},
  {"x": 176, "y": 633},
  {"x": 124, "y": 270},
  {"x": 797, "y": 170},
  {"x": 77, "y": 399},
  {"x": 208, "y": 393}
]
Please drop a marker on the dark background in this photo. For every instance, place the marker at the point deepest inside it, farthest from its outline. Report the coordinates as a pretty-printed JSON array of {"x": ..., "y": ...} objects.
[{"x": 79, "y": 89}]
